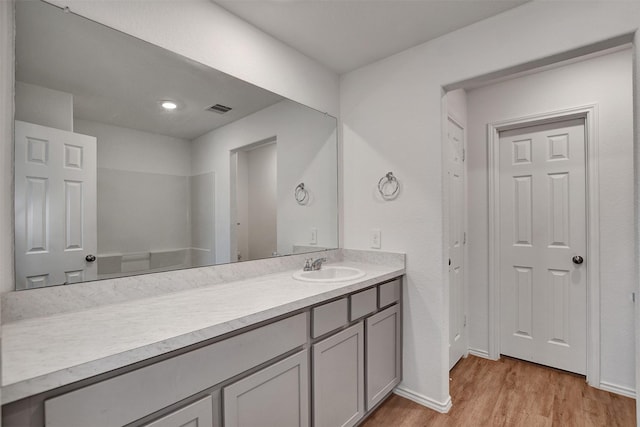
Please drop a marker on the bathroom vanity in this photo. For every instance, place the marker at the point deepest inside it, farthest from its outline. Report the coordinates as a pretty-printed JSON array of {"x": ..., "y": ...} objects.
[{"x": 263, "y": 351}]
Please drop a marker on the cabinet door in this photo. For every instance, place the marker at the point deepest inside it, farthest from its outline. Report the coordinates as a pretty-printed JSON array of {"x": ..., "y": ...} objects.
[
  {"x": 338, "y": 378},
  {"x": 277, "y": 396},
  {"x": 198, "y": 414},
  {"x": 384, "y": 357}
]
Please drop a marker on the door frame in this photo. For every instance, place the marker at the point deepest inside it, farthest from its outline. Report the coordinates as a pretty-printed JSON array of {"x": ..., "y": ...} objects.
[{"x": 590, "y": 114}]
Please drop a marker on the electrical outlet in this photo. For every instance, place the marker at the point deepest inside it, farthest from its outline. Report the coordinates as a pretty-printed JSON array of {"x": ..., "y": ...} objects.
[
  {"x": 313, "y": 237},
  {"x": 375, "y": 238}
]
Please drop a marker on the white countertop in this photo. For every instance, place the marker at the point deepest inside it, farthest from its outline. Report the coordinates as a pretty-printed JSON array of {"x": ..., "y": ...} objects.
[{"x": 43, "y": 353}]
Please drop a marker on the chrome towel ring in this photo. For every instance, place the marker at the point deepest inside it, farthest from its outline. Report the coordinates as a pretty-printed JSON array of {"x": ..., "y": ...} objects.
[
  {"x": 301, "y": 194},
  {"x": 388, "y": 186}
]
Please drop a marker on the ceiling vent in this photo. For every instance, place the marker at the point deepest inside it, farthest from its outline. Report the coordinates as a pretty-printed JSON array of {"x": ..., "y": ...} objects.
[{"x": 220, "y": 109}]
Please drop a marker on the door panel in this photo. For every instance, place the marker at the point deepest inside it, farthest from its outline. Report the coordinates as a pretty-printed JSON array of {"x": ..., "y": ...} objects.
[
  {"x": 455, "y": 174},
  {"x": 543, "y": 225},
  {"x": 55, "y": 209}
]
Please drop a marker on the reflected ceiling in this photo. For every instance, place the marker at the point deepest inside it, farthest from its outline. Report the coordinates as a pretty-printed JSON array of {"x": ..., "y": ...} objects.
[{"x": 103, "y": 90}]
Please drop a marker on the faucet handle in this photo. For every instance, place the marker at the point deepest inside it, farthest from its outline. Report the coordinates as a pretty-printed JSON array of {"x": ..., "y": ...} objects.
[{"x": 307, "y": 264}]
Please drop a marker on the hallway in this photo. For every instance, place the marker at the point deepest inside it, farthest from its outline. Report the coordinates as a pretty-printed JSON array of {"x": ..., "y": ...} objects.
[{"x": 511, "y": 392}]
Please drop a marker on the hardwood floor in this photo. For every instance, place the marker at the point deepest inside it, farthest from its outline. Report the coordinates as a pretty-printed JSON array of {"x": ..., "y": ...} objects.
[{"x": 510, "y": 392}]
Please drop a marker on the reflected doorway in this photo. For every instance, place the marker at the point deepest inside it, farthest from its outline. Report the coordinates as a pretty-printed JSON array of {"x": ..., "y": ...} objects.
[{"x": 254, "y": 199}]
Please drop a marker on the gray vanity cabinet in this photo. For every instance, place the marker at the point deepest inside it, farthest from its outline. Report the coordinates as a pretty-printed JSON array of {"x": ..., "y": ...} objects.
[
  {"x": 384, "y": 353},
  {"x": 327, "y": 365},
  {"x": 277, "y": 396},
  {"x": 198, "y": 414},
  {"x": 338, "y": 378}
]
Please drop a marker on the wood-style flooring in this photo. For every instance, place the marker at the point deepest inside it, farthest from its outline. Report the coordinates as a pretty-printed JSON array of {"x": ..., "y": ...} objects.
[{"x": 510, "y": 392}]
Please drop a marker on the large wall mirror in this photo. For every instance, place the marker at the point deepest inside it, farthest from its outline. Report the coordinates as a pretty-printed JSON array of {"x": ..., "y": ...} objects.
[{"x": 111, "y": 182}]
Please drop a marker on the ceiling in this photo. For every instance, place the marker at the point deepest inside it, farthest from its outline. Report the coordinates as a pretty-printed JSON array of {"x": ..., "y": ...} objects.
[
  {"x": 346, "y": 34},
  {"x": 120, "y": 80}
]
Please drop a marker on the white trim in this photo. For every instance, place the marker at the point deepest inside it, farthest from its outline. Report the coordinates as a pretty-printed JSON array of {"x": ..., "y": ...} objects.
[
  {"x": 618, "y": 389},
  {"x": 590, "y": 114},
  {"x": 480, "y": 353},
  {"x": 442, "y": 407}
]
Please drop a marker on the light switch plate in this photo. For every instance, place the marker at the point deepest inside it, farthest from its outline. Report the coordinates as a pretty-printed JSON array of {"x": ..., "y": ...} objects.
[
  {"x": 375, "y": 238},
  {"x": 313, "y": 237}
]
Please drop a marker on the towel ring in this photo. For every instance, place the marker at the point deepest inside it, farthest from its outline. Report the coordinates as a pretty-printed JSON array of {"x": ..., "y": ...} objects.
[
  {"x": 301, "y": 194},
  {"x": 388, "y": 186}
]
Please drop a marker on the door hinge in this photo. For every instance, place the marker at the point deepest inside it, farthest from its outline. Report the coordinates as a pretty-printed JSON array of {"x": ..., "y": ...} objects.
[
  {"x": 464, "y": 154},
  {"x": 464, "y": 238},
  {"x": 465, "y": 321},
  {"x": 633, "y": 296}
]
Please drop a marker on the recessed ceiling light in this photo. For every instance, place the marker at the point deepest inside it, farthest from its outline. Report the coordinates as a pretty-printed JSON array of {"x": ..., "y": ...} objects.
[{"x": 169, "y": 105}]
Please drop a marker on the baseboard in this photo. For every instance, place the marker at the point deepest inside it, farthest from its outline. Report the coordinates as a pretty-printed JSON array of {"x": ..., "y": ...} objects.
[
  {"x": 618, "y": 389},
  {"x": 480, "y": 353},
  {"x": 442, "y": 407}
]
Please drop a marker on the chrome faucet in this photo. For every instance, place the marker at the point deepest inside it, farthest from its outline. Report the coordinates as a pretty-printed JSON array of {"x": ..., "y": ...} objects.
[
  {"x": 317, "y": 264},
  {"x": 307, "y": 264}
]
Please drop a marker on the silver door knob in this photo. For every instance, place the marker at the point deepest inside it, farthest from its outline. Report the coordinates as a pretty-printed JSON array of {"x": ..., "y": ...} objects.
[
  {"x": 90, "y": 258},
  {"x": 577, "y": 259}
]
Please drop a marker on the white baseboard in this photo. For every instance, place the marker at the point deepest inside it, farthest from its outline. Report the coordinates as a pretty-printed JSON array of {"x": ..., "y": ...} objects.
[
  {"x": 480, "y": 353},
  {"x": 618, "y": 389},
  {"x": 442, "y": 407}
]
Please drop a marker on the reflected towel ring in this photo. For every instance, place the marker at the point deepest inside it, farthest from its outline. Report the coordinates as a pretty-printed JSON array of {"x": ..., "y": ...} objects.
[
  {"x": 301, "y": 194},
  {"x": 388, "y": 186}
]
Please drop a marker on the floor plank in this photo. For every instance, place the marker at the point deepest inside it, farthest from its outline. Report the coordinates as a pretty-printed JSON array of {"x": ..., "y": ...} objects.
[{"x": 510, "y": 392}]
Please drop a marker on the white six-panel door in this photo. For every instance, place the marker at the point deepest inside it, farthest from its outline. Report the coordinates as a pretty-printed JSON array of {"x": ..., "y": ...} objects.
[
  {"x": 55, "y": 183},
  {"x": 455, "y": 175},
  {"x": 542, "y": 228}
]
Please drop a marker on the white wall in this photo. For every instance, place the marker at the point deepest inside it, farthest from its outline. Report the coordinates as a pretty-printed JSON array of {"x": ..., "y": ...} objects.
[
  {"x": 133, "y": 150},
  {"x": 203, "y": 221},
  {"x": 143, "y": 189},
  {"x": 605, "y": 80},
  {"x": 392, "y": 120},
  {"x": 205, "y": 32},
  {"x": 306, "y": 152},
  {"x": 44, "y": 106}
]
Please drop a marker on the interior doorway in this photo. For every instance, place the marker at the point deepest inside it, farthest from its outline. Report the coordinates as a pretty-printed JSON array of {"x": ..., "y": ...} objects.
[
  {"x": 597, "y": 89},
  {"x": 254, "y": 211}
]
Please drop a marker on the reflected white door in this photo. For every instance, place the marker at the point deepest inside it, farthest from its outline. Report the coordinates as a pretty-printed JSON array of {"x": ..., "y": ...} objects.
[
  {"x": 543, "y": 227},
  {"x": 55, "y": 183},
  {"x": 455, "y": 174}
]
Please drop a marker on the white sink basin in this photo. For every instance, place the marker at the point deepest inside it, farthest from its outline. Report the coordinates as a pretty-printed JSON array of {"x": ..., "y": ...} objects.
[{"x": 329, "y": 274}]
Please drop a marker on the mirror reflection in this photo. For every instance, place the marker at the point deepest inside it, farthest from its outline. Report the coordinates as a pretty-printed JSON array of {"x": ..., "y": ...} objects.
[{"x": 131, "y": 159}]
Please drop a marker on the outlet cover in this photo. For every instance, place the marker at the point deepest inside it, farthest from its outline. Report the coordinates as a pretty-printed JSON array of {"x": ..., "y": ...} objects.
[
  {"x": 375, "y": 238},
  {"x": 313, "y": 237}
]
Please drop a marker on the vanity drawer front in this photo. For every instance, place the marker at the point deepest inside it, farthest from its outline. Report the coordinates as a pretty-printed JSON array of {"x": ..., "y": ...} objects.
[
  {"x": 329, "y": 317},
  {"x": 198, "y": 414},
  {"x": 131, "y": 396},
  {"x": 389, "y": 293},
  {"x": 363, "y": 303}
]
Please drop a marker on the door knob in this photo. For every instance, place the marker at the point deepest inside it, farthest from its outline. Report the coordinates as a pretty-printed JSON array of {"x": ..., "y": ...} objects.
[
  {"x": 577, "y": 259},
  {"x": 90, "y": 258}
]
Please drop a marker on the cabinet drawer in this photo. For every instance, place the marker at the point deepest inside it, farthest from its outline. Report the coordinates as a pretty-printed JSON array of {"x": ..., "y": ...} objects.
[
  {"x": 131, "y": 396},
  {"x": 389, "y": 293},
  {"x": 329, "y": 317},
  {"x": 363, "y": 303},
  {"x": 198, "y": 414}
]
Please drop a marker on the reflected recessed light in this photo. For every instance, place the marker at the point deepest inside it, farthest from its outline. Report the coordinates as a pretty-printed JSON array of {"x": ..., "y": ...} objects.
[{"x": 169, "y": 105}]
